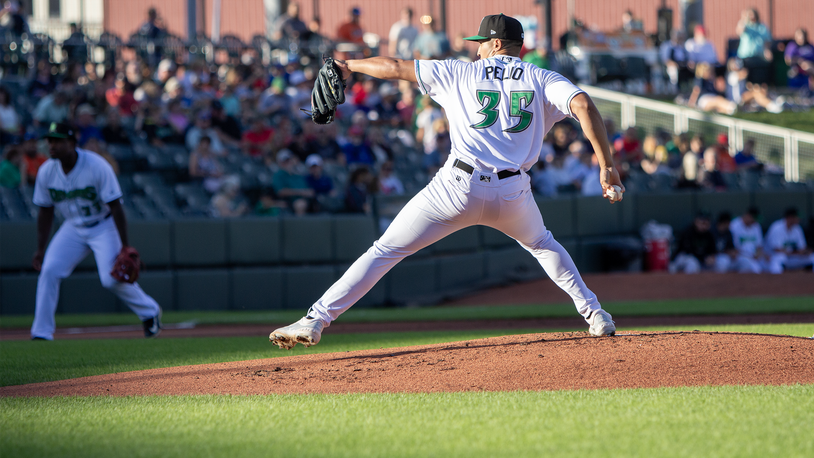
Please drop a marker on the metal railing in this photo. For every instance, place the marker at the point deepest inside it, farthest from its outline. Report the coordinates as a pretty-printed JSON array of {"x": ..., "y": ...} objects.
[{"x": 793, "y": 150}]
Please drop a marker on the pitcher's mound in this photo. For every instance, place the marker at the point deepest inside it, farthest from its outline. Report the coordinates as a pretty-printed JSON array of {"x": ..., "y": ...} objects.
[{"x": 551, "y": 361}]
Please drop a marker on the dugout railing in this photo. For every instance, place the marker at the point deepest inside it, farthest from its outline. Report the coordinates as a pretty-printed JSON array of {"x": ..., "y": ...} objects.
[{"x": 790, "y": 149}]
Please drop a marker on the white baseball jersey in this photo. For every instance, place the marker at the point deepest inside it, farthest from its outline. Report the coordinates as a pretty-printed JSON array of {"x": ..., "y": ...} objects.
[
  {"x": 81, "y": 196},
  {"x": 781, "y": 237},
  {"x": 491, "y": 105},
  {"x": 746, "y": 238}
]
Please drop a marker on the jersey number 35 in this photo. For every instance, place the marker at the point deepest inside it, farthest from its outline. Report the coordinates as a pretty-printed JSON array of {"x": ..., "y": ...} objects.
[{"x": 519, "y": 100}]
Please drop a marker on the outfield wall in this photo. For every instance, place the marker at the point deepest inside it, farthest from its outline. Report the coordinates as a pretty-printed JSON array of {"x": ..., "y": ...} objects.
[{"x": 288, "y": 262}]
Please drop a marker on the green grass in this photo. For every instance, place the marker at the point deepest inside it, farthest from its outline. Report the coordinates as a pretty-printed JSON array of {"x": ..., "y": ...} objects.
[
  {"x": 29, "y": 362},
  {"x": 803, "y": 120},
  {"x": 725, "y": 306},
  {"x": 743, "y": 421}
]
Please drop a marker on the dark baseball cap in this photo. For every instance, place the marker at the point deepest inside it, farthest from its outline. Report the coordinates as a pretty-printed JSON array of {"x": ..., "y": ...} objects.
[
  {"x": 59, "y": 130},
  {"x": 498, "y": 26}
]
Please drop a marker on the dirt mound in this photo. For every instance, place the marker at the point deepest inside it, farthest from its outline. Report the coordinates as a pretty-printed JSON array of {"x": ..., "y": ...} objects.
[{"x": 522, "y": 362}]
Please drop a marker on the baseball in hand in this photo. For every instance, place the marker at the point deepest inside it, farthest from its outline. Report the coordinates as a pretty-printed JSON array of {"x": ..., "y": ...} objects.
[{"x": 614, "y": 193}]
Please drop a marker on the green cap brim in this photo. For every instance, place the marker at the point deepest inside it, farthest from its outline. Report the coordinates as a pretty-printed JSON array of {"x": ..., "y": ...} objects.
[
  {"x": 55, "y": 135},
  {"x": 476, "y": 38}
]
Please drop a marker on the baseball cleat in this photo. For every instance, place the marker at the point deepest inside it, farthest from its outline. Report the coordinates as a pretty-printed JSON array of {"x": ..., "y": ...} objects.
[
  {"x": 306, "y": 331},
  {"x": 601, "y": 324},
  {"x": 152, "y": 326}
]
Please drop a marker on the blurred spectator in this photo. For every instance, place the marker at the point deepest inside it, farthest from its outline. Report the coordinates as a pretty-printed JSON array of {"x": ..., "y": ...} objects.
[
  {"x": 269, "y": 204},
  {"x": 745, "y": 159},
  {"x": 226, "y": 203},
  {"x": 706, "y": 95},
  {"x": 674, "y": 57},
  {"x": 559, "y": 175},
  {"x": 357, "y": 150},
  {"x": 754, "y": 47},
  {"x": 12, "y": 167},
  {"x": 387, "y": 107},
  {"x": 32, "y": 157},
  {"x": 76, "y": 45},
  {"x": 257, "y": 141},
  {"x": 177, "y": 123},
  {"x": 98, "y": 146},
  {"x": 151, "y": 27},
  {"x": 428, "y": 112},
  {"x": 590, "y": 185},
  {"x": 289, "y": 25},
  {"x": 358, "y": 194},
  {"x": 699, "y": 49},
  {"x": 52, "y": 108},
  {"x": 726, "y": 163},
  {"x": 458, "y": 48},
  {"x": 726, "y": 259},
  {"x": 351, "y": 31},
  {"x": 379, "y": 145},
  {"x": 799, "y": 57},
  {"x": 655, "y": 157},
  {"x": 324, "y": 143},
  {"x": 710, "y": 176},
  {"x": 316, "y": 178},
  {"x": 747, "y": 236},
  {"x": 696, "y": 248},
  {"x": 630, "y": 23},
  {"x": 402, "y": 36},
  {"x": 786, "y": 244},
  {"x": 742, "y": 92},
  {"x": 9, "y": 119},
  {"x": 274, "y": 99},
  {"x": 203, "y": 127},
  {"x": 629, "y": 148},
  {"x": 406, "y": 107},
  {"x": 538, "y": 56},
  {"x": 291, "y": 185},
  {"x": 389, "y": 182},
  {"x": 17, "y": 23},
  {"x": 205, "y": 166},
  {"x": 540, "y": 181},
  {"x": 430, "y": 44},
  {"x": 113, "y": 133},
  {"x": 611, "y": 130},
  {"x": 562, "y": 137},
  {"x": 121, "y": 96},
  {"x": 86, "y": 124},
  {"x": 43, "y": 83},
  {"x": 227, "y": 127}
]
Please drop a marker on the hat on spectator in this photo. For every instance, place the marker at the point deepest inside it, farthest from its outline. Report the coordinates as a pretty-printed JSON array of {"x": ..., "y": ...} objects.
[
  {"x": 700, "y": 29},
  {"x": 85, "y": 109},
  {"x": 284, "y": 155},
  {"x": 61, "y": 131},
  {"x": 356, "y": 11},
  {"x": 723, "y": 139},
  {"x": 313, "y": 159}
]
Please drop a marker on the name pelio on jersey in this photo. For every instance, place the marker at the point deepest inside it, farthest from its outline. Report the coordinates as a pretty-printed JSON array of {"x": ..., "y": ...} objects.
[
  {"x": 496, "y": 104},
  {"x": 81, "y": 196}
]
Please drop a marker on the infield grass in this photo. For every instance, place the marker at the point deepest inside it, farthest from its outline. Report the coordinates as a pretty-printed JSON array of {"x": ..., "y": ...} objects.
[{"x": 742, "y": 421}]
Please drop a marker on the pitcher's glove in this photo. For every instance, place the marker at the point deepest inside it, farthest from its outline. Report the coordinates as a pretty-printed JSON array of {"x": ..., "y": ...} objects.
[
  {"x": 127, "y": 265},
  {"x": 328, "y": 93}
]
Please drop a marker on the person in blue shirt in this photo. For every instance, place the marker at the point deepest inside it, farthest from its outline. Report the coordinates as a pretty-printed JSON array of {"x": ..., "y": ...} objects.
[{"x": 755, "y": 46}]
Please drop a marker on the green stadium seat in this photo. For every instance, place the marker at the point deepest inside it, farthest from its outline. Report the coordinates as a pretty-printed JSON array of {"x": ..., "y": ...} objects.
[
  {"x": 202, "y": 289},
  {"x": 259, "y": 288},
  {"x": 353, "y": 235},
  {"x": 307, "y": 239},
  {"x": 199, "y": 242},
  {"x": 254, "y": 241}
]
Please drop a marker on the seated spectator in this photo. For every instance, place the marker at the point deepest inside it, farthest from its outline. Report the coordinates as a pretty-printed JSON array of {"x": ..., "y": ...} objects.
[
  {"x": 406, "y": 107},
  {"x": 291, "y": 185},
  {"x": 590, "y": 185},
  {"x": 387, "y": 107},
  {"x": 563, "y": 135},
  {"x": 460, "y": 51},
  {"x": 696, "y": 249},
  {"x": 726, "y": 259},
  {"x": 674, "y": 57},
  {"x": 52, "y": 108},
  {"x": 690, "y": 162},
  {"x": 86, "y": 124},
  {"x": 389, "y": 182},
  {"x": 257, "y": 141},
  {"x": 743, "y": 93},
  {"x": 12, "y": 167},
  {"x": 576, "y": 164},
  {"x": 113, "y": 133},
  {"x": 699, "y": 49},
  {"x": 540, "y": 182},
  {"x": 655, "y": 157},
  {"x": 726, "y": 163},
  {"x": 177, "y": 122},
  {"x": 203, "y": 128},
  {"x": 745, "y": 159},
  {"x": 786, "y": 244},
  {"x": 754, "y": 48},
  {"x": 799, "y": 57},
  {"x": 32, "y": 158},
  {"x": 629, "y": 149},
  {"x": 122, "y": 97},
  {"x": 274, "y": 100},
  {"x": 747, "y": 236},
  {"x": 360, "y": 189},
  {"x": 711, "y": 177},
  {"x": 357, "y": 150},
  {"x": 226, "y": 203},
  {"x": 9, "y": 119},
  {"x": 317, "y": 180},
  {"x": 44, "y": 82},
  {"x": 269, "y": 204},
  {"x": 706, "y": 95},
  {"x": 204, "y": 165},
  {"x": 324, "y": 143},
  {"x": 538, "y": 55}
]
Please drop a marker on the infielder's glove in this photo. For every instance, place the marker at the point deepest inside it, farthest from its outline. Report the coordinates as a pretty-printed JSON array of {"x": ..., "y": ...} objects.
[
  {"x": 328, "y": 93},
  {"x": 127, "y": 265}
]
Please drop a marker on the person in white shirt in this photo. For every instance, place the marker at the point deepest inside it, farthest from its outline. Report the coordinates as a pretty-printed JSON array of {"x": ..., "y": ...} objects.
[
  {"x": 402, "y": 36},
  {"x": 499, "y": 110},
  {"x": 699, "y": 49},
  {"x": 747, "y": 236},
  {"x": 786, "y": 244}
]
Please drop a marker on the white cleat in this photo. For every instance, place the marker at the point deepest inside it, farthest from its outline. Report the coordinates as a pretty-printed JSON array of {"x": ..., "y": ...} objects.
[
  {"x": 601, "y": 324},
  {"x": 306, "y": 331}
]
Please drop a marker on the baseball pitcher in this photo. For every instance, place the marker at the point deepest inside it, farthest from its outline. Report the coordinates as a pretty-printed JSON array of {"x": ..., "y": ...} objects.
[{"x": 499, "y": 109}]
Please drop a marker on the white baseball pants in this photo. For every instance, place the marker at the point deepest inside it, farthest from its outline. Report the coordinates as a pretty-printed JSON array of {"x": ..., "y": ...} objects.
[
  {"x": 778, "y": 262},
  {"x": 68, "y": 248},
  {"x": 452, "y": 201}
]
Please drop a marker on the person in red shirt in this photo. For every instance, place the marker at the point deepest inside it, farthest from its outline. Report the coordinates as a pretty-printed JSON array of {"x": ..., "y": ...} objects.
[
  {"x": 726, "y": 163},
  {"x": 351, "y": 31},
  {"x": 32, "y": 158},
  {"x": 257, "y": 140},
  {"x": 629, "y": 148}
]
